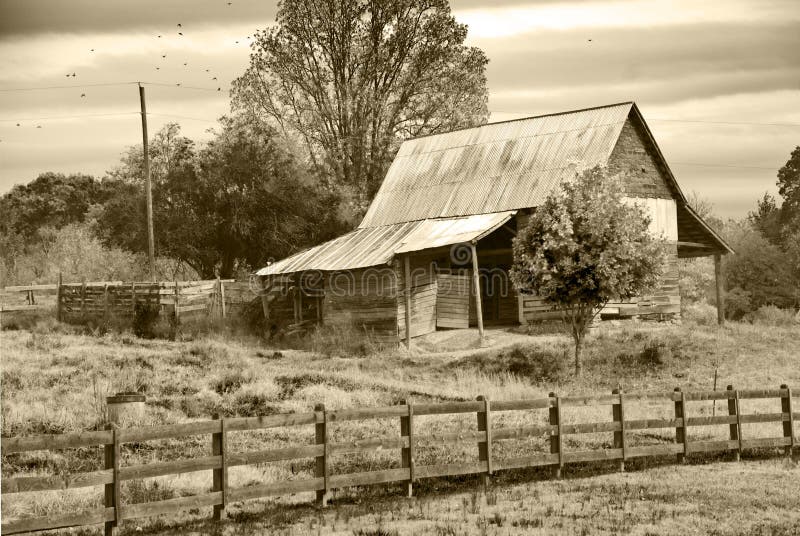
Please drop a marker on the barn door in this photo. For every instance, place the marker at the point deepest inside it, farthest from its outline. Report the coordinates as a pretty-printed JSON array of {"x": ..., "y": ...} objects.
[{"x": 452, "y": 300}]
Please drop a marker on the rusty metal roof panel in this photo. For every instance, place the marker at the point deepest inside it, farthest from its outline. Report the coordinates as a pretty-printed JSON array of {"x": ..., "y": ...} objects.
[
  {"x": 494, "y": 167},
  {"x": 374, "y": 246}
]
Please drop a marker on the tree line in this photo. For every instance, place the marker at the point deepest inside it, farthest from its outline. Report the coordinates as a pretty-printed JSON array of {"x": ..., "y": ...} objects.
[{"x": 331, "y": 90}]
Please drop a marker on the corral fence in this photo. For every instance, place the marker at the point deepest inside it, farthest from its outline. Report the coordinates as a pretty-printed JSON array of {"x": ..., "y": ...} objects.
[
  {"x": 485, "y": 439},
  {"x": 102, "y": 300}
]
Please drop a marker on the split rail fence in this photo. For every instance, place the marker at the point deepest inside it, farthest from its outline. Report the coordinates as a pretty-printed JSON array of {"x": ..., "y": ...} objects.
[
  {"x": 485, "y": 438},
  {"x": 101, "y": 300}
]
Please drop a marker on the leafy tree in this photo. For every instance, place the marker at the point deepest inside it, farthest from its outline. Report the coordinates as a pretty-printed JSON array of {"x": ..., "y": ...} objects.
[
  {"x": 759, "y": 269},
  {"x": 584, "y": 247},
  {"x": 168, "y": 150},
  {"x": 767, "y": 218},
  {"x": 789, "y": 185},
  {"x": 350, "y": 79},
  {"x": 228, "y": 207},
  {"x": 50, "y": 200}
]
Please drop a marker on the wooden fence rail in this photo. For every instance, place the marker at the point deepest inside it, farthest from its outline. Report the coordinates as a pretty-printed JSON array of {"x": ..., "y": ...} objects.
[
  {"x": 100, "y": 300},
  {"x": 410, "y": 438}
]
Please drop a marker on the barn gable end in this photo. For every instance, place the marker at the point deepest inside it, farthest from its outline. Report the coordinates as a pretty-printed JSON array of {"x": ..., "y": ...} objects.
[{"x": 636, "y": 159}]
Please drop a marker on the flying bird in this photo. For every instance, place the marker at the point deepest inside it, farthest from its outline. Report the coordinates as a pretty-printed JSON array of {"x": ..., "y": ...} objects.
[
  {"x": 73, "y": 75},
  {"x": 178, "y": 84},
  {"x": 83, "y": 95},
  {"x": 164, "y": 56},
  {"x": 179, "y": 25},
  {"x": 159, "y": 37},
  {"x": 180, "y": 33},
  {"x": 17, "y": 124},
  {"x": 206, "y": 70},
  {"x": 214, "y": 78},
  {"x": 185, "y": 63},
  {"x": 158, "y": 68},
  {"x": 38, "y": 126},
  {"x": 219, "y": 89},
  {"x": 92, "y": 50},
  {"x": 590, "y": 40}
]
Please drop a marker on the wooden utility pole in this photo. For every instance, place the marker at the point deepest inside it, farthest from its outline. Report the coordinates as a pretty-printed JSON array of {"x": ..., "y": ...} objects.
[
  {"x": 719, "y": 288},
  {"x": 151, "y": 252}
]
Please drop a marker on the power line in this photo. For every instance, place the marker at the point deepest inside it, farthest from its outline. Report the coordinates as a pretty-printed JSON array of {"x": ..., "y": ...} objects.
[
  {"x": 720, "y": 165},
  {"x": 65, "y": 117},
  {"x": 182, "y": 117},
  {"x": 650, "y": 119},
  {"x": 39, "y": 88}
]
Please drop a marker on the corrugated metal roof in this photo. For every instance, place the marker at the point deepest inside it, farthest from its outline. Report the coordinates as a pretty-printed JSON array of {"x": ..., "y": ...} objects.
[
  {"x": 494, "y": 167},
  {"x": 374, "y": 246}
]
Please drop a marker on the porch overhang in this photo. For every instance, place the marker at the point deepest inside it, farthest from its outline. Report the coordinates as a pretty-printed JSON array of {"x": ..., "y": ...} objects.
[{"x": 695, "y": 237}]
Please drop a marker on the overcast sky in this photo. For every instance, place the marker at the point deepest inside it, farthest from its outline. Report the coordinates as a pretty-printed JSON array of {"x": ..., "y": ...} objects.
[{"x": 717, "y": 81}]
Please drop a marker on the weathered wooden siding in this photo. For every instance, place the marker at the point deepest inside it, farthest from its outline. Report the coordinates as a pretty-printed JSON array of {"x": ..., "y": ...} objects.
[
  {"x": 365, "y": 299},
  {"x": 637, "y": 161},
  {"x": 452, "y": 300},
  {"x": 423, "y": 296},
  {"x": 665, "y": 300}
]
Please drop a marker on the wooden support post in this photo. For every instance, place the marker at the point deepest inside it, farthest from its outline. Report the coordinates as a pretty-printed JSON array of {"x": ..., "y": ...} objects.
[
  {"x": 112, "y": 490},
  {"x": 520, "y": 309},
  {"x": 680, "y": 431},
  {"x": 720, "y": 291},
  {"x": 300, "y": 298},
  {"x": 105, "y": 303},
  {"x": 788, "y": 425},
  {"x": 477, "y": 285},
  {"x": 485, "y": 446},
  {"x": 619, "y": 436},
  {"x": 133, "y": 299},
  {"x": 219, "y": 447},
  {"x": 222, "y": 298},
  {"x": 58, "y": 298},
  {"x": 407, "y": 454},
  {"x": 321, "y": 469},
  {"x": 83, "y": 300},
  {"x": 734, "y": 427},
  {"x": 264, "y": 299},
  {"x": 407, "y": 294},
  {"x": 555, "y": 440},
  {"x": 177, "y": 303}
]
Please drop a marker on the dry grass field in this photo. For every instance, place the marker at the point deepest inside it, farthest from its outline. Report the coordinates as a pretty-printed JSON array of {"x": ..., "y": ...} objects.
[{"x": 55, "y": 380}]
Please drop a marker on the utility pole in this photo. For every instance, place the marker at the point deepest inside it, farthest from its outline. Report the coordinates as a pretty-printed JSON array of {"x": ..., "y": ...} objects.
[{"x": 148, "y": 189}]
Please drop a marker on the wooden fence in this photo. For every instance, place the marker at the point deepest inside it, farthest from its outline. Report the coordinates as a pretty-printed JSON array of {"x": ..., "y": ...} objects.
[
  {"x": 101, "y": 300},
  {"x": 484, "y": 438}
]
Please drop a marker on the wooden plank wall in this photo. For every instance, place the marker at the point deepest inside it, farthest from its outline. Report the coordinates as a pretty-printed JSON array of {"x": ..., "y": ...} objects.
[
  {"x": 452, "y": 300},
  {"x": 665, "y": 302},
  {"x": 423, "y": 297},
  {"x": 365, "y": 299}
]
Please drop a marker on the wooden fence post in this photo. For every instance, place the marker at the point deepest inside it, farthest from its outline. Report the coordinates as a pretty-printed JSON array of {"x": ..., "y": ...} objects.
[
  {"x": 219, "y": 447},
  {"x": 112, "y": 490},
  {"x": 222, "y": 296},
  {"x": 105, "y": 302},
  {"x": 680, "y": 431},
  {"x": 321, "y": 469},
  {"x": 619, "y": 437},
  {"x": 133, "y": 300},
  {"x": 58, "y": 298},
  {"x": 733, "y": 410},
  {"x": 407, "y": 454},
  {"x": 177, "y": 303},
  {"x": 788, "y": 426},
  {"x": 83, "y": 300},
  {"x": 556, "y": 443},
  {"x": 485, "y": 447}
]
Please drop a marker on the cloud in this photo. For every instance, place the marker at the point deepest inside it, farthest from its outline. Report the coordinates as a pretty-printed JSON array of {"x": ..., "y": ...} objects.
[{"x": 28, "y": 17}]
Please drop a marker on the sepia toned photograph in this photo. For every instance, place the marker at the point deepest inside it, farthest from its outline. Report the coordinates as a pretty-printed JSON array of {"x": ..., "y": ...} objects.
[{"x": 400, "y": 267}]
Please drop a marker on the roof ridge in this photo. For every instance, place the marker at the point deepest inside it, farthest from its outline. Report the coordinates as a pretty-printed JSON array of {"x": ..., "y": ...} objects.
[{"x": 567, "y": 112}]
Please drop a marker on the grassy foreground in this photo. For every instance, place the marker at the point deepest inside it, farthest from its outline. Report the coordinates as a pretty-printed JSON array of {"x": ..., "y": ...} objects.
[{"x": 55, "y": 380}]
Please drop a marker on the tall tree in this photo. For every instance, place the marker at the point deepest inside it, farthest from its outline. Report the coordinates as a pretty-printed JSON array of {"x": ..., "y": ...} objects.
[
  {"x": 584, "y": 247},
  {"x": 789, "y": 185},
  {"x": 351, "y": 78}
]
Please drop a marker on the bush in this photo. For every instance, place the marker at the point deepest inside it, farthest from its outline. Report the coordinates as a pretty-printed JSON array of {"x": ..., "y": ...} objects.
[
  {"x": 769, "y": 315},
  {"x": 738, "y": 302},
  {"x": 701, "y": 313},
  {"x": 145, "y": 317},
  {"x": 535, "y": 364},
  {"x": 656, "y": 353}
]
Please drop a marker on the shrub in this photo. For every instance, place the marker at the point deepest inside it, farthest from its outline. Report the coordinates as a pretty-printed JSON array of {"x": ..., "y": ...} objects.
[
  {"x": 231, "y": 381},
  {"x": 738, "y": 302},
  {"x": 254, "y": 398},
  {"x": 145, "y": 317},
  {"x": 770, "y": 315},
  {"x": 535, "y": 364},
  {"x": 656, "y": 353},
  {"x": 701, "y": 313}
]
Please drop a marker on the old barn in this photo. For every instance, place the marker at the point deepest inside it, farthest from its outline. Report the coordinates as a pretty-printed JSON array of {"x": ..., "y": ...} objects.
[{"x": 442, "y": 223}]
